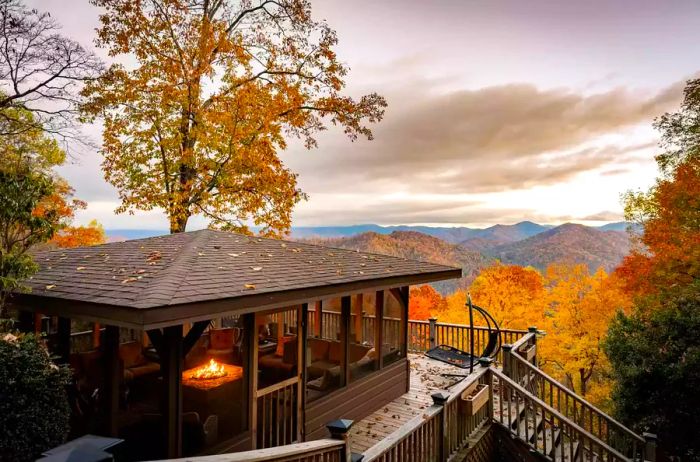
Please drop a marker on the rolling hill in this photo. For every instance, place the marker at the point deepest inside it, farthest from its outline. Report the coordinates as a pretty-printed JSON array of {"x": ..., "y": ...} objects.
[
  {"x": 417, "y": 246},
  {"x": 566, "y": 243},
  {"x": 493, "y": 236}
]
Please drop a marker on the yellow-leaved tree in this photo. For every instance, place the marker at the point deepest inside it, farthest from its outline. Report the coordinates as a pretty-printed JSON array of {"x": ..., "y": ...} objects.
[
  {"x": 195, "y": 126},
  {"x": 579, "y": 309},
  {"x": 513, "y": 295}
]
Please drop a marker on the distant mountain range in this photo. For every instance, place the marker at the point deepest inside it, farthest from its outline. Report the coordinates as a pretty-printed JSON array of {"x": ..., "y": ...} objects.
[
  {"x": 566, "y": 243},
  {"x": 525, "y": 243},
  {"x": 416, "y": 246}
]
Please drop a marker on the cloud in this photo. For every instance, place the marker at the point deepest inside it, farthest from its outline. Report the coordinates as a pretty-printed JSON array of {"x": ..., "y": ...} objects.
[
  {"x": 491, "y": 139},
  {"x": 604, "y": 216}
]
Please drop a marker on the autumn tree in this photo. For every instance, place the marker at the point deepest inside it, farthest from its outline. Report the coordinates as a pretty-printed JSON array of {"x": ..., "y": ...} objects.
[
  {"x": 219, "y": 86},
  {"x": 41, "y": 72},
  {"x": 425, "y": 302},
  {"x": 35, "y": 203},
  {"x": 80, "y": 236},
  {"x": 654, "y": 351},
  {"x": 579, "y": 308},
  {"x": 512, "y": 294}
]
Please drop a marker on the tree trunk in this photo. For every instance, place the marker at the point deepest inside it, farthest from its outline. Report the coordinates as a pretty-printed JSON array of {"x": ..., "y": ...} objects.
[
  {"x": 178, "y": 224},
  {"x": 584, "y": 379}
]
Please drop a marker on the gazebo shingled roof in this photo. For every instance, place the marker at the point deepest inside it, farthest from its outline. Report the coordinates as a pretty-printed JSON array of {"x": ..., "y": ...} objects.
[{"x": 188, "y": 276}]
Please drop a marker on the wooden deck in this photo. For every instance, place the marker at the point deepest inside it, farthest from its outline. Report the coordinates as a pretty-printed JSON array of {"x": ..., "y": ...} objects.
[{"x": 425, "y": 379}]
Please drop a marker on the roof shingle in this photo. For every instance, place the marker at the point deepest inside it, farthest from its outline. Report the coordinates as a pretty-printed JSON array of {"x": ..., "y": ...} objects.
[{"x": 207, "y": 265}]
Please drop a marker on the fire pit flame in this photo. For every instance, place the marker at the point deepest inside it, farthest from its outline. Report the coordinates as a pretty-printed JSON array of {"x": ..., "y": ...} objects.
[{"x": 213, "y": 370}]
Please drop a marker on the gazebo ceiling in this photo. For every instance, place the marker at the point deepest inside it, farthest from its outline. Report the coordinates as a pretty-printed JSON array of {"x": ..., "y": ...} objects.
[{"x": 207, "y": 266}]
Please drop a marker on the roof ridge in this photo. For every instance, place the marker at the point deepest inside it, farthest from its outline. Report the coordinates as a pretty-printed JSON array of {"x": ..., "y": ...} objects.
[{"x": 172, "y": 276}]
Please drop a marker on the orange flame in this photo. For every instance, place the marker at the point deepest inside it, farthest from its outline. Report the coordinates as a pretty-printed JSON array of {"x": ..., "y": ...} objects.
[{"x": 213, "y": 370}]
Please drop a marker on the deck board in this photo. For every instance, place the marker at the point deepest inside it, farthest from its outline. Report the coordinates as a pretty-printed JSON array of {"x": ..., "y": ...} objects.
[{"x": 425, "y": 380}]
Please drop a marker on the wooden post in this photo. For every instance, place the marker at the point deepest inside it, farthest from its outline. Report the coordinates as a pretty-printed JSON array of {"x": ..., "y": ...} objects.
[
  {"x": 340, "y": 430},
  {"x": 486, "y": 362},
  {"x": 112, "y": 372},
  {"x": 432, "y": 332},
  {"x": 649, "y": 446},
  {"x": 172, "y": 412},
  {"x": 344, "y": 340},
  {"x": 63, "y": 339},
  {"x": 440, "y": 399},
  {"x": 379, "y": 327},
  {"x": 507, "y": 360},
  {"x": 251, "y": 326},
  {"x": 318, "y": 313},
  {"x": 96, "y": 335},
  {"x": 533, "y": 330},
  {"x": 302, "y": 329},
  {"x": 404, "y": 320},
  {"x": 37, "y": 323},
  {"x": 359, "y": 302}
]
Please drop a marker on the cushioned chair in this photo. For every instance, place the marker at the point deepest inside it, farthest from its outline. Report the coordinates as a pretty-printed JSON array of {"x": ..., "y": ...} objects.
[{"x": 136, "y": 365}]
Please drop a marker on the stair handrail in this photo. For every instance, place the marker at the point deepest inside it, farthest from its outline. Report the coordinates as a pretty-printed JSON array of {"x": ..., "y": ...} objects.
[
  {"x": 582, "y": 431},
  {"x": 584, "y": 403}
]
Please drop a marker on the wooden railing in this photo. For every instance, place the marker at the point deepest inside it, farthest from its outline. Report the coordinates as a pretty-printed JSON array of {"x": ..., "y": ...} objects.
[
  {"x": 279, "y": 411},
  {"x": 326, "y": 450},
  {"x": 438, "y": 433},
  {"x": 568, "y": 403},
  {"x": 545, "y": 429},
  {"x": 423, "y": 335}
]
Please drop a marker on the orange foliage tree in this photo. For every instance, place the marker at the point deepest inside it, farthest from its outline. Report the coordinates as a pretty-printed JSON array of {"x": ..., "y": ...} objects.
[
  {"x": 514, "y": 295},
  {"x": 79, "y": 236},
  {"x": 579, "y": 308},
  {"x": 217, "y": 88},
  {"x": 425, "y": 302},
  {"x": 669, "y": 254}
]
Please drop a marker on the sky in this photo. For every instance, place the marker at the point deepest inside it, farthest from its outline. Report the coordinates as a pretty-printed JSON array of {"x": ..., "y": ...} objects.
[{"x": 499, "y": 111}]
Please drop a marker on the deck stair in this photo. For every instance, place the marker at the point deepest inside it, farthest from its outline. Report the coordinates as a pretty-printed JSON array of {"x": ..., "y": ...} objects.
[{"x": 551, "y": 419}]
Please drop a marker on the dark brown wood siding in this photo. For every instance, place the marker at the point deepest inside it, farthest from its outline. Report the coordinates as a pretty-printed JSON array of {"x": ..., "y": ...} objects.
[{"x": 357, "y": 400}]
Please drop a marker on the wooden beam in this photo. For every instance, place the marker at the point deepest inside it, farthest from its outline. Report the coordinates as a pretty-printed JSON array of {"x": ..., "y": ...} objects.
[
  {"x": 379, "y": 327},
  {"x": 161, "y": 316},
  {"x": 345, "y": 303},
  {"x": 112, "y": 379},
  {"x": 172, "y": 379},
  {"x": 194, "y": 334}
]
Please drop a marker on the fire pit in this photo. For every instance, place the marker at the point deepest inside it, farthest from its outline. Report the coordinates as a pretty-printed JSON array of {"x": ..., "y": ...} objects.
[{"x": 211, "y": 375}]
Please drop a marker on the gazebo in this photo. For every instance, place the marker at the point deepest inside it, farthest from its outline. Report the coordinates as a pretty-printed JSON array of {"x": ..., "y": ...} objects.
[{"x": 210, "y": 341}]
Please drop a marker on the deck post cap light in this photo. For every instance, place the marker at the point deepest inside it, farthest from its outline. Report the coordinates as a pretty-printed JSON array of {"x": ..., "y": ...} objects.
[
  {"x": 440, "y": 397},
  {"x": 340, "y": 426}
]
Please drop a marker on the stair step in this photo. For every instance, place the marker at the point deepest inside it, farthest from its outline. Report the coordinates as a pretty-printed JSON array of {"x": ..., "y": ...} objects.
[
  {"x": 568, "y": 448},
  {"x": 547, "y": 439},
  {"x": 527, "y": 427}
]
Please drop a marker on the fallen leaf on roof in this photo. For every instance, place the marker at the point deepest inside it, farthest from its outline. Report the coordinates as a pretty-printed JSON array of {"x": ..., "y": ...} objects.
[
  {"x": 234, "y": 254},
  {"x": 283, "y": 245},
  {"x": 296, "y": 250},
  {"x": 153, "y": 257},
  {"x": 201, "y": 254},
  {"x": 127, "y": 280},
  {"x": 141, "y": 271},
  {"x": 50, "y": 286},
  {"x": 80, "y": 268},
  {"x": 249, "y": 286},
  {"x": 256, "y": 268}
]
